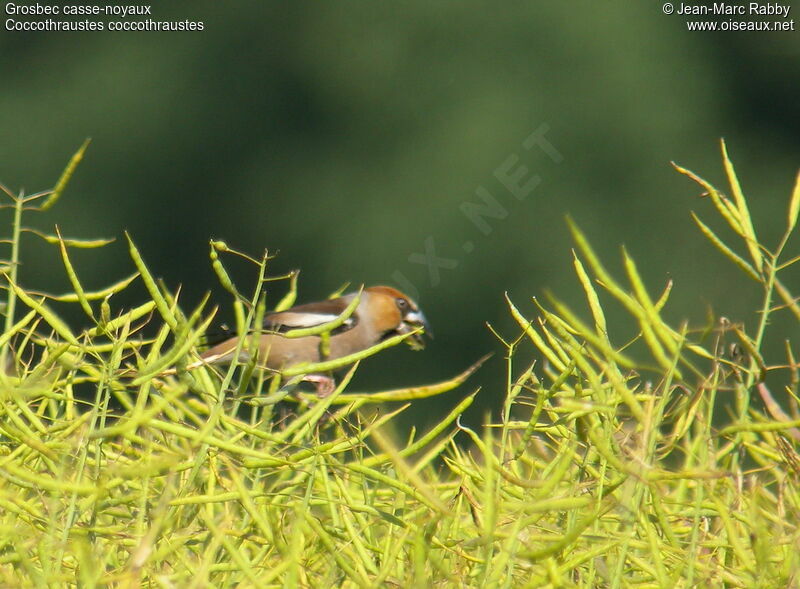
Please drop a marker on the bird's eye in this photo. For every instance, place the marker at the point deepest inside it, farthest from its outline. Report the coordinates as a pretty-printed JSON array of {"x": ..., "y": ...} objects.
[{"x": 402, "y": 304}]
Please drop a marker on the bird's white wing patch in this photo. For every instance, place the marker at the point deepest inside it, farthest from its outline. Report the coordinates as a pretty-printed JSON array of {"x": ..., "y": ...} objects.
[{"x": 297, "y": 320}]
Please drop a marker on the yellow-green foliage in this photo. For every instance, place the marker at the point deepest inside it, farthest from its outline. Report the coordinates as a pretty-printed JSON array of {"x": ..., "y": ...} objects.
[{"x": 606, "y": 469}]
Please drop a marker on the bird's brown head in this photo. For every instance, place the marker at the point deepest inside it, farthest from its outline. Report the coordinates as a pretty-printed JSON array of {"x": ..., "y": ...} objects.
[{"x": 396, "y": 313}]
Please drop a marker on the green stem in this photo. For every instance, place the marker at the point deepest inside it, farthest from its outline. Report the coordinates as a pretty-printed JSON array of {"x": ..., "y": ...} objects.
[{"x": 12, "y": 272}]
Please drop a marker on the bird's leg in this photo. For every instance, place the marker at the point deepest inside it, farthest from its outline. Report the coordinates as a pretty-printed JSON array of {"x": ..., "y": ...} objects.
[{"x": 325, "y": 384}]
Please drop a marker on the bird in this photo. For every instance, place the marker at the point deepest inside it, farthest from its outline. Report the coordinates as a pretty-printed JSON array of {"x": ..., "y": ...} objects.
[{"x": 382, "y": 312}]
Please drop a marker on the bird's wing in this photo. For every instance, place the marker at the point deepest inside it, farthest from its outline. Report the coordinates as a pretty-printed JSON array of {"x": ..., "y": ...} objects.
[
  {"x": 311, "y": 315},
  {"x": 298, "y": 317}
]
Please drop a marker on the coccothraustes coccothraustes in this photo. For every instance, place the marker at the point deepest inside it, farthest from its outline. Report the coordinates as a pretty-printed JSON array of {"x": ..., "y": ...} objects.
[{"x": 382, "y": 312}]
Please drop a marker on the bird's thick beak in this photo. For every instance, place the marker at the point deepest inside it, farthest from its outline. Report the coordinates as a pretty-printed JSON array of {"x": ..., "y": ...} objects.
[
  {"x": 414, "y": 320},
  {"x": 417, "y": 319}
]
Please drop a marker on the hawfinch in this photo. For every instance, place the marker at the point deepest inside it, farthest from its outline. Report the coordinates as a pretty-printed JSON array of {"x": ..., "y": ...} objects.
[{"x": 382, "y": 312}]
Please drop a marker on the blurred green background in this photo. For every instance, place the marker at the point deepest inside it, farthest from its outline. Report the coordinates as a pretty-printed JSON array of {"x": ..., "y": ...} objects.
[{"x": 346, "y": 137}]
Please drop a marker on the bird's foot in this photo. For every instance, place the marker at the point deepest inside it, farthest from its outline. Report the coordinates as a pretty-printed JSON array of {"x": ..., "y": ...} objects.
[{"x": 325, "y": 384}]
